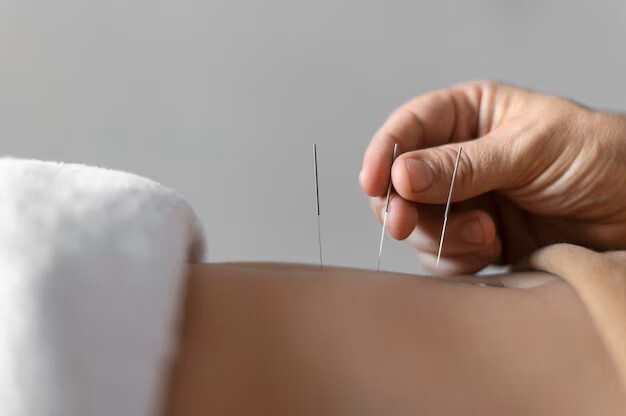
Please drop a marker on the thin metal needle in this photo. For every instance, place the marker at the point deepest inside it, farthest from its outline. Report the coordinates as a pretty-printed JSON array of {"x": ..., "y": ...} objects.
[
  {"x": 317, "y": 204},
  {"x": 445, "y": 215},
  {"x": 382, "y": 234}
]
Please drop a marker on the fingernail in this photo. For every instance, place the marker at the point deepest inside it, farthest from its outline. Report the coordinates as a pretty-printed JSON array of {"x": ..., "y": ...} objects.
[
  {"x": 472, "y": 232},
  {"x": 420, "y": 174}
]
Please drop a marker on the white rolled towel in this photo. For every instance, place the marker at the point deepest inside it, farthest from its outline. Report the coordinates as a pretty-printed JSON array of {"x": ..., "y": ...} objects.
[{"x": 92, "y": 265}]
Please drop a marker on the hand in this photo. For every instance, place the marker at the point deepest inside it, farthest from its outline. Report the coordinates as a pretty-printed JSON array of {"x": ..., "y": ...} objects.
[{"x": 535, "y": 170}]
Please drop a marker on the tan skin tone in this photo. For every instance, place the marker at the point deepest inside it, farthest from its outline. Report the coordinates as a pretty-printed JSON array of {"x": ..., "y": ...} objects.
[
  {"x": 288, "y": 339},
  {"x": 600, "y": 281},
  {"x": 535, "y": 170},
  {"x": 276, "y": 339}
]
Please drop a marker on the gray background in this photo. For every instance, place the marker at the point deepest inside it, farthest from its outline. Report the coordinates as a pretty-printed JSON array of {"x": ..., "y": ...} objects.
[{"x": 221, "y": 100}]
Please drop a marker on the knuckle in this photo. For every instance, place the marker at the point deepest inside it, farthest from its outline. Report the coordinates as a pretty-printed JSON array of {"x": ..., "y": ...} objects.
[
  {"x": 483, "y": 85},
  {"x": 404, "y": 127},
  {"x": 489, "y": 85},
  {"x": 465, "y": 171},
  {"x": 391, "y": 135}
]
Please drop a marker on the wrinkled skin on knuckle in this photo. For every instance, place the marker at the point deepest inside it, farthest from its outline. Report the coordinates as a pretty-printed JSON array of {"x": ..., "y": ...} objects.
[
  {"x": 466, "y": 170},
  {"x": 572, "y": 161},
  {"x": 535, "y": 144},
  {"x": 611, "y": 128},
  {"x": 589, "y": 176},
  {"x": 442, "y": 161}
]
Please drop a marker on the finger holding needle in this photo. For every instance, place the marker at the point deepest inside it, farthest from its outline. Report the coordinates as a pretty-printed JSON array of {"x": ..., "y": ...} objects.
[
  {"x": 382, "y": 235},
  {"x": 445, "y": 214}
]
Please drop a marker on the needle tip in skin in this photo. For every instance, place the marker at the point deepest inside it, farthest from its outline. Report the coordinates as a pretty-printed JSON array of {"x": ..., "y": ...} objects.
[{"x": 317, "y": 204}]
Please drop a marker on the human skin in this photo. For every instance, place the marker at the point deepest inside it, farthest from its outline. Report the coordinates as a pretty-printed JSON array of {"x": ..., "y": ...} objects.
[
  {"x": 535, "y": 170},
  {"x": 279, "y": 339},
  {"x": 600, "y": 281}
]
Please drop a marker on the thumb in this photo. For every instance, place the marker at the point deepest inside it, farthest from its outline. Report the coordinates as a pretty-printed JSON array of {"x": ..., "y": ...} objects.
[{"x": 425, "y": 175}]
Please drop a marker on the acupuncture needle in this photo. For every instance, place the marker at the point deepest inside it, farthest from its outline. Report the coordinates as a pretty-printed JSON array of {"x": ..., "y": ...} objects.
[
  {"x": 445, "y": 215},
  {"x": 317, "y": 204},
  {"x": 382, "y": 234}
]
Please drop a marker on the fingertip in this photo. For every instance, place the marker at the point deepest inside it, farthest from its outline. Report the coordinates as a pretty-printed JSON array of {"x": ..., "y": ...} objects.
[
  {"x": 491, "y": 253},
  {"x": 371, "y": 183},
  {"x": 402, "y": 218},
  {"x": 363, "y": 182},
  {"x": 488, "y": 226},
  {"x": 374, "y": 176},
  {"x": 466, "y": 264},
  {"x": 377, "y": 204},
  {"x": 447, "y": 266},
  {"x": 400, "y": 178}
]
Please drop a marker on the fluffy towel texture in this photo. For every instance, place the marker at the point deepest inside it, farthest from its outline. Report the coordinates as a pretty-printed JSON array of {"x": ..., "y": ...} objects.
[{"x": 91, "y": 271}]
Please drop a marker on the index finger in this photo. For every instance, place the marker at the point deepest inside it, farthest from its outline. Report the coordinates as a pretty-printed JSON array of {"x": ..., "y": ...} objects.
[{"x": 428, "y": 120}]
